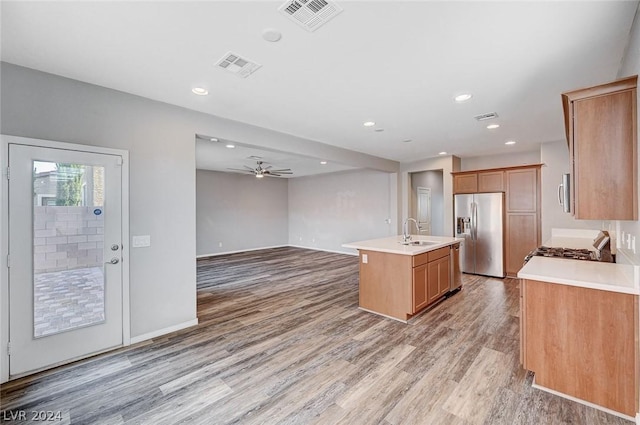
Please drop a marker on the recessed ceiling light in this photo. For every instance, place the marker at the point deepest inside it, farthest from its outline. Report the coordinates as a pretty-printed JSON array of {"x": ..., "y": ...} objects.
[
  {"x": 213, "y": 139},
  {"x": 230, "y": 146},
  {"x": 463, "y": 97},
  {"x": 200, "y": 91},
  {"x": 379, "y": 130},
  {"x": 369, "y": 124},
  {"x": 323, "y": 162},
  {"x": 510, "y": 142},
  {"x": 271, "y": 35},
  {"x": 442, "y": 153},
  {"x": 493, "y": 126}
]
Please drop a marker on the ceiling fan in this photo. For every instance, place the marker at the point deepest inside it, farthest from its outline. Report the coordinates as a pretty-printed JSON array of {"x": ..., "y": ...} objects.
[{"x": 260, "y": 171}]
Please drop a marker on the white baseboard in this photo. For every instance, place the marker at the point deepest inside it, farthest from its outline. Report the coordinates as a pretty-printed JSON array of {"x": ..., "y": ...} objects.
[
  {"x": 355, "y": 254},
  {"x": 214, "y": 254},
  {"x": 586, "y": 403},
  {"x": 160, "y": 332},
  {"x": 637, "y": 418}
]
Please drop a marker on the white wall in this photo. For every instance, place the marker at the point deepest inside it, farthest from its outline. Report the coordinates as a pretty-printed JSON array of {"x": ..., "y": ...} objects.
[
  {"x": 432, "y": 179},
  {"x": 511, "y": 159},
  {"x": 555, "y": 157},
  {"x": 239, "y": 211},
  {"x": 631, "y": 66},
  {"x": 328, "y": 210}
]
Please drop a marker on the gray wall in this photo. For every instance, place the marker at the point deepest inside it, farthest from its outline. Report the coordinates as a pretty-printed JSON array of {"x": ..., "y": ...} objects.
[
  {"x": 431, "y": 179},
  {"x": 241, "y": 212},
  {"x": 555, "y": 157},
  {"x": 328, "y": 210},
  {"x": 510, "y": 159}
]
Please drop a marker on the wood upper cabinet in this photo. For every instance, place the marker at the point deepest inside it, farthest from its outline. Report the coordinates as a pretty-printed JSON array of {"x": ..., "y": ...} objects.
[
  {"x": 465, "y": 183},
  {"x": 522, "y": 190},
  {"x": 601, "y": 127},
  {"x": 491, "y": 181}
]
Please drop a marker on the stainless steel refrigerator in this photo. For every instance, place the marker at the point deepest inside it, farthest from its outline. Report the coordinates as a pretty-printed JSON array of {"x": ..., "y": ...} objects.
[{"x": 479, "y": 220}]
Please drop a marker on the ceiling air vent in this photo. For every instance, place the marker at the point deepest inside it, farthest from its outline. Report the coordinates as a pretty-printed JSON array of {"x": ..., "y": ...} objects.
[
  {"x": 238, "y": 65},
  {"x": 310, "y": 14},
  {"x": 487, "y": 116}
]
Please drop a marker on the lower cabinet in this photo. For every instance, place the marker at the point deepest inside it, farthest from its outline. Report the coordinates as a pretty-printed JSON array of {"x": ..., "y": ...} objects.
[
  {"x": 581, "y": 342},
  {"x": 431, "y": 279}
]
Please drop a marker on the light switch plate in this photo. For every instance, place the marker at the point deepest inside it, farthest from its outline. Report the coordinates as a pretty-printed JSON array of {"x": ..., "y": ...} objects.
[
  {"x": 141, "y": 241},
  {"x": 365, "y": 258}
]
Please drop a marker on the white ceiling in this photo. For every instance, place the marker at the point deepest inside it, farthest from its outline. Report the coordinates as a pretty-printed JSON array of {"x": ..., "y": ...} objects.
[
  {"x": 396, "y": 63},
  {"x": 214, "y": 155}
]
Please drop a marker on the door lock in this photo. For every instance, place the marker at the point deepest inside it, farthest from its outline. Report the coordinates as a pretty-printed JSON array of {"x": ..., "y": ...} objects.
[
  {"x": 114, "y": 260},
  {"x": 115, "y": 247}
]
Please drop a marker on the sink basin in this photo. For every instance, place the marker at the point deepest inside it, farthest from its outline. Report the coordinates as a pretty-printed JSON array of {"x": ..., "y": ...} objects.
[{"x": 420, "y": 243}]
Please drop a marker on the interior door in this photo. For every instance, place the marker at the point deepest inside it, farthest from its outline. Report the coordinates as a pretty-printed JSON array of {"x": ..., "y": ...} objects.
[
  {"x": 424, "y": 210},
  {"x": 65, "y": 243}
]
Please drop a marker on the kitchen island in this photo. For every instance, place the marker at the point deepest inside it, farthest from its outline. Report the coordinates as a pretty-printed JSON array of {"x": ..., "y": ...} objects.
[
  {"x": 398, "y": 280},
  {"x": 579, "y": 328}
]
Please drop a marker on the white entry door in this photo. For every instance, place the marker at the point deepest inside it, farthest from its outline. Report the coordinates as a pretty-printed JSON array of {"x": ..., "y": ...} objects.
[
  {"x": 65, "y": 250},
  {"x": 424, "y": 210}
]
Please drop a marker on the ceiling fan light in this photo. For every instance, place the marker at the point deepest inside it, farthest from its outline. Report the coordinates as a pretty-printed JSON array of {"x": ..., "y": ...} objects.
[{"x": 259, "y": 175}]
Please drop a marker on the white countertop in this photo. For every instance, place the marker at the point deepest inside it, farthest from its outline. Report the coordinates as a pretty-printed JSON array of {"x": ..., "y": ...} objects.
[
  {"x": 393, "y": 245},
  {"x": 614, "y": 277},
  {"x": 587, "y": 274}
]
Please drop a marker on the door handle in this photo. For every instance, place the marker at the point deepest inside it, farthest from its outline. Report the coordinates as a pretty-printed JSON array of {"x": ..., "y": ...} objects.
[
  {"x": 560, "y": 191},
  {"x": 114, "y": 260}
]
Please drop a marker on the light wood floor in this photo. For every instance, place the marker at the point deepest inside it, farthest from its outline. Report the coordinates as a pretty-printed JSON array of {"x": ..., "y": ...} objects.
[{"x": 281, "y": 341}]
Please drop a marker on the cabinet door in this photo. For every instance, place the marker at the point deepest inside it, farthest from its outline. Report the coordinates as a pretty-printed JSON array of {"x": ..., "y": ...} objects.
[
  {"x": 420, "y": 294},
  {"x": 444, "y": 275},
  {"x": 522, "y": 237},
  {"x": 465, "y": 183},
  {"x": 491, "y": 181},
  {"x": 605, "y": 160},
  {"x": 522, "y": 190},
  {"x": 433, "y": 272}
]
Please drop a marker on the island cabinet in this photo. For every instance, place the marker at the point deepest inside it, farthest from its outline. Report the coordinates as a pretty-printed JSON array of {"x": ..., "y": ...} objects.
[
  {"x": 399, "y": 286},
  {"x": 601, "y": 129},
  {"x": 581, "y": 342}
]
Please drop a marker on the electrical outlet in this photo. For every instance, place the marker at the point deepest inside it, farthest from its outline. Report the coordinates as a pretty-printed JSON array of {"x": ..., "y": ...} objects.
[
  {"x": 387, "y": 220},
  {"x": 365, "y": 258},
  {"x": 219, "y": 244},
  {"x": 313, "y": 240},
  {"x": 300, "y": 238}
]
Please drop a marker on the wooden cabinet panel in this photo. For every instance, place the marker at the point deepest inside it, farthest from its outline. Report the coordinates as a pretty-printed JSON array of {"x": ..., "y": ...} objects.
[
  {"x": 522, "y": 236},
  {"x": 491, "y": 181},
  {"x": 465, "y": 183},
  {"x": 439, "y": 275},
  {"x": 420, "y": 291},
  {"x": 444, "y": 275},
  {"x": 605, "y": 158},
  {"x": 420, "y": 259},
  {"x": 522, "y": 190},
  {"x": 439, "y": 253},
  {"x": 601, "y": 128},
  {"x": 583, "y": 342}
]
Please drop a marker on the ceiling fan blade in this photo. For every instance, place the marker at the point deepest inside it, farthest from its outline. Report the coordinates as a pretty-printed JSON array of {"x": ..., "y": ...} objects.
[
  {"x": 267, "y": 167},
  {"x": 241, "y": 170},
  {"x": 283, "y": 170},
  {"x": 248, "y": 168}
]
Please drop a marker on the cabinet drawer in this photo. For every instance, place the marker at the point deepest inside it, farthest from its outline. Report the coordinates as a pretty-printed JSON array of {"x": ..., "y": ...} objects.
[
  {"x": 420, "y": 259},
  {"x": 438, "y": 253}
]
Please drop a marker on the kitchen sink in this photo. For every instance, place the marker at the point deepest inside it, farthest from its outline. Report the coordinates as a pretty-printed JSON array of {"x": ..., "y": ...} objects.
[{"x": 421, "y": 243}]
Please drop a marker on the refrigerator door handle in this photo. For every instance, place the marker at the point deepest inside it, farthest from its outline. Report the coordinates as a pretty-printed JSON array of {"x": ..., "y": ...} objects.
[
  {"x": 474, "y": 221},
  {"x": 560, "y": 193}
]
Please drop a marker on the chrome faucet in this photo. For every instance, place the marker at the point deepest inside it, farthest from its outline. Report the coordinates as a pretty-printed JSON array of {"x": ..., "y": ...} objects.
[{"x": 406, "y": 237}]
